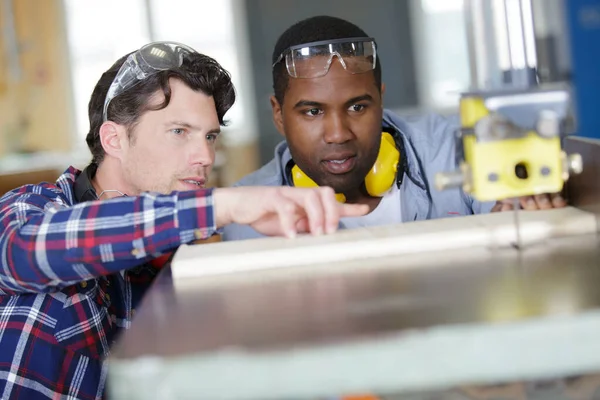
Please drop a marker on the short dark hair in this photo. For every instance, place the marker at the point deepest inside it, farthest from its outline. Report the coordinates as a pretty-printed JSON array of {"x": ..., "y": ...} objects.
[
  {"x": 198, "y": 71},
  {"x": 313, "y": 29}
]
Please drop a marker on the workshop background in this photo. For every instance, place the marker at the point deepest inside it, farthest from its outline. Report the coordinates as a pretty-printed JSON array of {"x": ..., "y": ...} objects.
[{"x": 52, "y": 52}]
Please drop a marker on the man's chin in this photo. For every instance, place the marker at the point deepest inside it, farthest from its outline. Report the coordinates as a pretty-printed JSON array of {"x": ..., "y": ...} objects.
[
  {"x": 347, "y": 189},
  {"x": 342, "y": 183}
]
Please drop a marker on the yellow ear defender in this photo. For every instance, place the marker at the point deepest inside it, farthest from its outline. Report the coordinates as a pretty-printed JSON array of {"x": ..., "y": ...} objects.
[
  {"x": 302, "y": 180},
  {"x": 380, "y": 178}
]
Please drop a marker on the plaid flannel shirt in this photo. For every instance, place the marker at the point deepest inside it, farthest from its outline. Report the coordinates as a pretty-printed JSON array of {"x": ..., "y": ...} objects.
[{"x": 71, "y": 275}]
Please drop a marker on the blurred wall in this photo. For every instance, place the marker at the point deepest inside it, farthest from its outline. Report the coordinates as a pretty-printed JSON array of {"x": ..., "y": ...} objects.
[{"x": 36, "y": 110}]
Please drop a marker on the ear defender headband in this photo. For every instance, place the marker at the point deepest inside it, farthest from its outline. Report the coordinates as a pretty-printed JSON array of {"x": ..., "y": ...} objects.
[{"x": 386, "y": 170}]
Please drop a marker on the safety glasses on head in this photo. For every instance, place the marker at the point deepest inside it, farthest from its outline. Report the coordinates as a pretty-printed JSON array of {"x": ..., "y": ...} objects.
[
  {"x": 312, "y": 60},
  {"x": 147, "y": 61}
]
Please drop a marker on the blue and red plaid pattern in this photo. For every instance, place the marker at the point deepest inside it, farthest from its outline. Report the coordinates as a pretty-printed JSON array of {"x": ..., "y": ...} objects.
[{"x": 71, "y": 276}]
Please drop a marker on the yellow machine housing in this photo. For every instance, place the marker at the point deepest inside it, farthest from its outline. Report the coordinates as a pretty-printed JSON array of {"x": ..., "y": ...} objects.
[{"x": 503, "y": 160}]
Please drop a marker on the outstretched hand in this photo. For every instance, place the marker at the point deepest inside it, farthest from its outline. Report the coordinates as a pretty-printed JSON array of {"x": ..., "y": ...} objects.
[
  {"x": 537, "y": 202},
  {"x": 282, "y": 210}
]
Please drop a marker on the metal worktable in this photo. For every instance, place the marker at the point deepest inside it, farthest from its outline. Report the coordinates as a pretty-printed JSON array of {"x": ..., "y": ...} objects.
[{"x": 489, "y": 324}]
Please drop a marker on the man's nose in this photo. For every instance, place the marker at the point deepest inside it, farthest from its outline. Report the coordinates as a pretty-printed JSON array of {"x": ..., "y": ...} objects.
[
  {"x": 202, "y": 152},
  {"x": 337, "y": 129}
]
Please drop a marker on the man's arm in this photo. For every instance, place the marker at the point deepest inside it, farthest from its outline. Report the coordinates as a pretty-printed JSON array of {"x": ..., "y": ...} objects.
[{"x": 45, "y": 246}]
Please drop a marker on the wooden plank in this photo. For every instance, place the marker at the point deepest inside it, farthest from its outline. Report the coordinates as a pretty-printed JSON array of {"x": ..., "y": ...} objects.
[{"x": 495, "y": 230}]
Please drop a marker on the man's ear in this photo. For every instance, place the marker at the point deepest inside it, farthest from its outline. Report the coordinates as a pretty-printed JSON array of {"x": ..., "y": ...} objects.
[
  {"x": 382, "y": 92},
  {"x": 277, "y": 115},
  {"x": 113, "y": 138}
]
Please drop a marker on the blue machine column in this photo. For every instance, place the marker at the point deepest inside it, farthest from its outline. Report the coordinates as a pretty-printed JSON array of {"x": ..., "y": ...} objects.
[{"x": 583, "y": 23}]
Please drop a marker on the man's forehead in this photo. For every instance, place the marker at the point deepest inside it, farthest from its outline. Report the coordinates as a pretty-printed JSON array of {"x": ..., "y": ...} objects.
[
  {"x": 187, "y": 106},
  {"x": 336, "y": 85},
  {"x": 180, "y": 94}
]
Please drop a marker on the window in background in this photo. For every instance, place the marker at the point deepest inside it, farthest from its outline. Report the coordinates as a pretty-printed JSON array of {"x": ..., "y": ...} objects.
[
  {"x": 441, "y": 51},
  {"x": 98, "y": 34},
  {"x": 209, "y": 27}
]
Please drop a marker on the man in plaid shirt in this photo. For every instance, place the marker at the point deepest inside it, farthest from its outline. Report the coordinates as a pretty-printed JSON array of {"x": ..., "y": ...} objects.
[{"x": 77, "y": 255}]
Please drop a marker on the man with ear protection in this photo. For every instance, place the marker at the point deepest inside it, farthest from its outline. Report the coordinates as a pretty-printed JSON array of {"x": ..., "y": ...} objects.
[{"x": 328, "y": 106}]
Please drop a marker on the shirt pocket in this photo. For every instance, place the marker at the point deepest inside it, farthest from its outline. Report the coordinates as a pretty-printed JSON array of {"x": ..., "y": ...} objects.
[{"x": 84, "y": 323}]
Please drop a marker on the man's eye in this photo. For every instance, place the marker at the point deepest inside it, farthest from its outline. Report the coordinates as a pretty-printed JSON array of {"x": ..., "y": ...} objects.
[
  {"x": 313, "y": 112},
  {"x": 178, "y": 131},
  {"x": 357, "y": 107},
  {"x": 211, "y": 138}
]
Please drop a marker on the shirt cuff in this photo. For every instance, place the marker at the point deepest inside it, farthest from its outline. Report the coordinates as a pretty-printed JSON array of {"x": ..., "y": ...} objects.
[{"x": 196, "y": 215}]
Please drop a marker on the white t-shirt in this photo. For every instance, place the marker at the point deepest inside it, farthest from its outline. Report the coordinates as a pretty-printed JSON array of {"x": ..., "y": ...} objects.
[{"x": 387, "y": 212}]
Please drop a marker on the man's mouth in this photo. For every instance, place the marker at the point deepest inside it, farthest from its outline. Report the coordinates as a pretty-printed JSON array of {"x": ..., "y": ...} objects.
[
  {"x": 194, "y": 183},
  {"x": 340, "y": 165}
]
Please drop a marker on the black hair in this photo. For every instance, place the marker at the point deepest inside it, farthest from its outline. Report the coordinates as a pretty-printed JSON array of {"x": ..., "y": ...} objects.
[
  {"x": 313, "y": 29},
  {"x": 198, "y": 71}
]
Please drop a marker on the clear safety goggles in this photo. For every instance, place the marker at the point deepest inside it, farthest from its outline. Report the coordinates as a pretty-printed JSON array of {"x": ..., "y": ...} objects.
[
  {"x": 148, "y": 60},
  {"x": 312, "y": 60}
]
